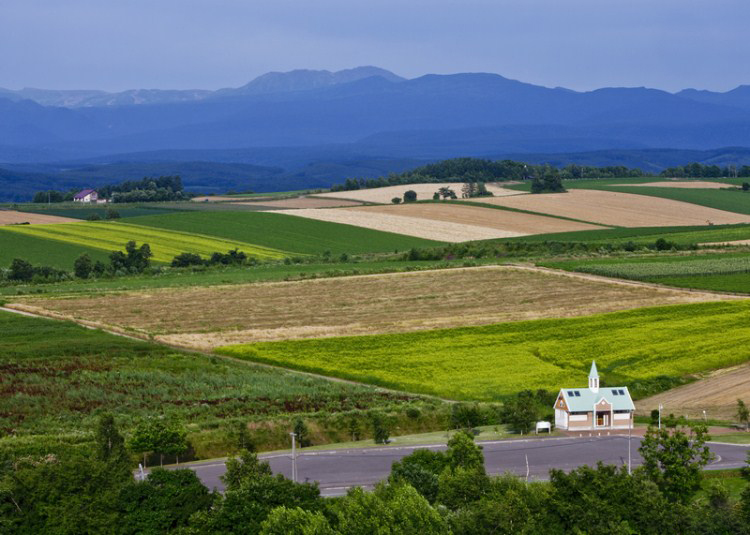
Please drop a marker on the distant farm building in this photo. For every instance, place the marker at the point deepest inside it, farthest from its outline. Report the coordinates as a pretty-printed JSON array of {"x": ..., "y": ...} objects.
[
  {"x": 594, "y": 408},
  {"x": 86, "y": 195}
]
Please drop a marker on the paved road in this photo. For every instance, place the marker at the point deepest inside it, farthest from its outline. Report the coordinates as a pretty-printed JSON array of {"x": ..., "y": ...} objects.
[{"x": 337, "y": 470}]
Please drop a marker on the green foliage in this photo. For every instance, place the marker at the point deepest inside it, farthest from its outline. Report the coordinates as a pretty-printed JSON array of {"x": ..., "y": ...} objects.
[
  {"x": 606, "y": 500},
  {"x": 547, "y": 184},
  {"x": 61, "y": 376},
  {"x": 410, "y": 196},
  {"x": 743, "y": 413},
  {"x": 389, "y": 509},
  {"x": 244, "y": 468},
  {"x": 380, "y": 431},
  {"x": 83, "y": 266},
  {"x": 162, "y": 503},
  {"x": 396, "y": 200},
  {"x": 673, "y": 459},
  {"x": 296, "y": 521},
  {"x": 496, "y": 361},
  {"x": 421, "y": 470},
  {"x": 302, "y": 433},
  {"x": 522, "y": 411},
  {"x": 464, "y": 453}
]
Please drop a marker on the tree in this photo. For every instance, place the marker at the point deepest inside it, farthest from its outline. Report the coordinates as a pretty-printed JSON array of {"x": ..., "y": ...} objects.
[
  {"x": 396, "y": 200},
  {"x": 111, "y": 213},
  {"x": 410, "y": 196},
  {"x": 21, "y": 270},
  {"x": 743, "y": 413},
  {"x": 295, "y": 521},
  {"x": 389, "y": 509},
  {"x": 109, "y": 442},
  {"x": 447, "y": 193},
  {"x": 673, "y": 459},
  {"x": 380, "y": 430},
  {"x": 165, "y": 501},
  {"x": 187, "y": 259},
  {"x": 143, "y": 439},
  {"x": 521, "y": 412},
  {"x": 354, "y": 428},
  {"x": 465, "y": 416},
  {"x": 83, "y": 266},
  {"x": 244, "y": 468},
  {"x": 464, "y": 453},
  {"x": 303, "y": 435},
  {"x": 421, "y": 470},
  {"x": 243, "y": 440}
]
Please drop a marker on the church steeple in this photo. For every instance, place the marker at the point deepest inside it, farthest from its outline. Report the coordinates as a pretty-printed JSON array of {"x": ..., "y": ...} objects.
[{"x": 593, "y": 378}]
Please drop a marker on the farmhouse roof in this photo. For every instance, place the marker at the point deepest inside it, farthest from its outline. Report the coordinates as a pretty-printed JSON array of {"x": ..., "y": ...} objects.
[
  {"x": 583, "y": 399},
  {"x": 81, "y": 194}
]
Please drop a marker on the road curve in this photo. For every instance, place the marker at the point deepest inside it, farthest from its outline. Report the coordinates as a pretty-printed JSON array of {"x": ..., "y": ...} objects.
[{"x": 338, "y": 470}]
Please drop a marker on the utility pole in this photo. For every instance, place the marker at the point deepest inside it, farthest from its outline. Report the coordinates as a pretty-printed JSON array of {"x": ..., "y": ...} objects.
[
  {"x": 660, "y": 408},
  {"x": 294, "y": 456},
  {"x": 630, "y": 435}
]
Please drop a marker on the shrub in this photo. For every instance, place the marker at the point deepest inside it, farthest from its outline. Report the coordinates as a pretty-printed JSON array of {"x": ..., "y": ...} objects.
[
  {"x": 396, "y": 200},
  {"x": 83, "y": 266},
  {"x": 410, "y": 196},
  {"x": 186, "y": 260}
]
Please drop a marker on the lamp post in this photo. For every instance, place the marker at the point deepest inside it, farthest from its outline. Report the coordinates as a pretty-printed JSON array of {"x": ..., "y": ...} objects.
[
  {"x": 630, "y": 434},
  {"x": 660, "y": 408},
  {"x": 294, "y": 456}
]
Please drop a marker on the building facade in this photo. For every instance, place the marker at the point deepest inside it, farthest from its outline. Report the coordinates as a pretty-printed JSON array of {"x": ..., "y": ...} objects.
[
  {"x": 86, "y": 195},
  {"x": 594, "y": 408}
]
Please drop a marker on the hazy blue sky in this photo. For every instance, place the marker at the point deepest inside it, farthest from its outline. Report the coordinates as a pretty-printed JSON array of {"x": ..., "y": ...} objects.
[{"x": 581, "y": 44}]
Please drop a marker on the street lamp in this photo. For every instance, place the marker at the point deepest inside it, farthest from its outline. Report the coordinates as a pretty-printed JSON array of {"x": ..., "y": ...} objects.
[
  {"x": 294, "y": 456},
  {"x": 660, "y": 408}
]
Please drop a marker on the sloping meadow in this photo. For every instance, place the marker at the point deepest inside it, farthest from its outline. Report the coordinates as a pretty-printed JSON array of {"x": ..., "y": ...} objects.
[{"x": 491, "y": 362}]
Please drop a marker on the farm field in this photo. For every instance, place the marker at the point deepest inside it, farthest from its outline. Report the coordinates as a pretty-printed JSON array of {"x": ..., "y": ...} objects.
[
  {"x": 683, "y": 184},
  {"x": 717, "y": 393},
  {"x": 648, "y": 235},
  {"x": 81, "y": 211},
  {"x": 304, "y": 202},
  {"x": 13, "y": 217},
  {"x": 719, "y": 272},
  {"x": 503, "y": 220},
  {"x": 165, "y": 244},
  {"x": 429, "y": 229},
  {"x": 487, "y": 363},
  {"x": 396, "y": 302},
  {"x": 622, "y": 209},
  {"x": 42, "y": 251},
  {"x": 279, "y": 231},
  {"x": 57, "y": 378},
  {"x": 424, "y": 192}
]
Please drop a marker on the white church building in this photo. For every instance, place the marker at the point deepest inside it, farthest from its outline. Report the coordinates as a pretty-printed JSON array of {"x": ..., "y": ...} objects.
[{"x": 594, "y": 408}]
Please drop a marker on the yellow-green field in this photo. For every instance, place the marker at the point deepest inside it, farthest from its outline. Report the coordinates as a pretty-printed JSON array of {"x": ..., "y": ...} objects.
[
  {"x": 488, "y": 363},
  {"x": 165, "y": 244}
]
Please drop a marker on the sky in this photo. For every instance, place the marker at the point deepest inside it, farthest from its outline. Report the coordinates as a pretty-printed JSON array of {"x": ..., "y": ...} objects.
[{"x": 208, "y": 44}]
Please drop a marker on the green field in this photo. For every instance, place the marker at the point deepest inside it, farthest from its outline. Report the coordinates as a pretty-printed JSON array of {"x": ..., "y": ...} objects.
[
  {"x": 728, "y": 272},
  {"x": 57, "y": 377},
  {"x": 284, "y": 232},
  {"x": 488, "y": 363},
  {"x": 43, "y": 251},
  {"x": 79, "y": 211},
  {"x": 165, "y": 244},
  {"x": 646, "y": 235}
]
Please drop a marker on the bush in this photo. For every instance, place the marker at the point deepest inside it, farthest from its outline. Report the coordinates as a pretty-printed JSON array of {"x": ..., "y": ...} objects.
[
  {"x": 396, "y": 200},
  {"x": 380, "y": 430},
  {"x": 186, "y": 260},
  {"x": 94, "y": 217},
  {"x": 83, "y": 266},
  {"x": 21, "y": 270},
  {"x": 410, "y": 196}
]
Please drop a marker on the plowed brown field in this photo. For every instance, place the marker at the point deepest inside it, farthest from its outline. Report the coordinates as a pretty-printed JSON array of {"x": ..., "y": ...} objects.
[
  {"x": 619, "y": 209},
  {"x": 10, "y": 217},
  {"x": 209, "y": 317},
  {"x": 508, "y": 221},
  {"x": 717, "y": 394}
]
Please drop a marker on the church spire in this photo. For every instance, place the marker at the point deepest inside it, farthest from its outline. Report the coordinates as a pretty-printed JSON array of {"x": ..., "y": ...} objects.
[{"x": 593, "y": 378}]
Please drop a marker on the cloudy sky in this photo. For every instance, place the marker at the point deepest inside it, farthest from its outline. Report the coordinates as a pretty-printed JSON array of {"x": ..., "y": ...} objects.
[{"x": 580, "y": 44}]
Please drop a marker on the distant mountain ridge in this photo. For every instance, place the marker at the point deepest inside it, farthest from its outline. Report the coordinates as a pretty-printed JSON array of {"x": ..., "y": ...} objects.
[{"x": 320, "y": 125}]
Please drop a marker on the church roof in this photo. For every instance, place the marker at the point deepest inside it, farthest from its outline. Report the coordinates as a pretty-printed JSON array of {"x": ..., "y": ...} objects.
[{"x": 584, "y": 399}]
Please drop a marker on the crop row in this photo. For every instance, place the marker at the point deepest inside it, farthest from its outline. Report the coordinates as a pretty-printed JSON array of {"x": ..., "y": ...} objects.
[
  {"x": 488, "y": 363},
  {"x": 165, "y": 244},
  {"x": 650, "y": 270}
]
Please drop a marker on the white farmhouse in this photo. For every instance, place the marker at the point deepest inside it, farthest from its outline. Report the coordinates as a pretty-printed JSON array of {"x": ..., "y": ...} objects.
[{"x": 594, "y": 408}]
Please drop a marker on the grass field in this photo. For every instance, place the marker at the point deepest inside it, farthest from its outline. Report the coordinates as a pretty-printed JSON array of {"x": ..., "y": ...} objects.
[
  {"x": 57, "y": 377},
  {"x": 165, "y": 244},
  {"x": 488, "y": 363},
  {"x": 356, "y": 305},
  {"x": 648, "y": 235},
  {"x": 285, "y": 232},
  {"x": 720, "y": 272},
  {"x": 43, "y": 251},
  {"x": 83, "y": 211}
]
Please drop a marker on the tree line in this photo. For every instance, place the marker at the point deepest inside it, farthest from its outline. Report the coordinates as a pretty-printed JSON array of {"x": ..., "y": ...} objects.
[
  {"x": 148, "y": 189},
  {"x": 427, "y": 492}
]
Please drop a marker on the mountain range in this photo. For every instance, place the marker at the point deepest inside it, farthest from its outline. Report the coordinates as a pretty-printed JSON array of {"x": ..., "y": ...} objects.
[{"x": 329, "y": 125}]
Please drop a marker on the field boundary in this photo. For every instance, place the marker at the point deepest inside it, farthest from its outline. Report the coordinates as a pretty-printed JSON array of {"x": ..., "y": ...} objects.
[{"x": 34, "y": 312}]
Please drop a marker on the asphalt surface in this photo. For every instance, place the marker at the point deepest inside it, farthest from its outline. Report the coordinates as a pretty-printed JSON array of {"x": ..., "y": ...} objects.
[{"x": 338, "y": 470}]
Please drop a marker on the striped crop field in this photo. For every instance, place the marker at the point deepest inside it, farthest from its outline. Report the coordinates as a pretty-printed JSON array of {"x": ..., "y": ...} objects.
[
  {"x": 165, "y": 244},
  {"x": 491, "y": 362}
]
